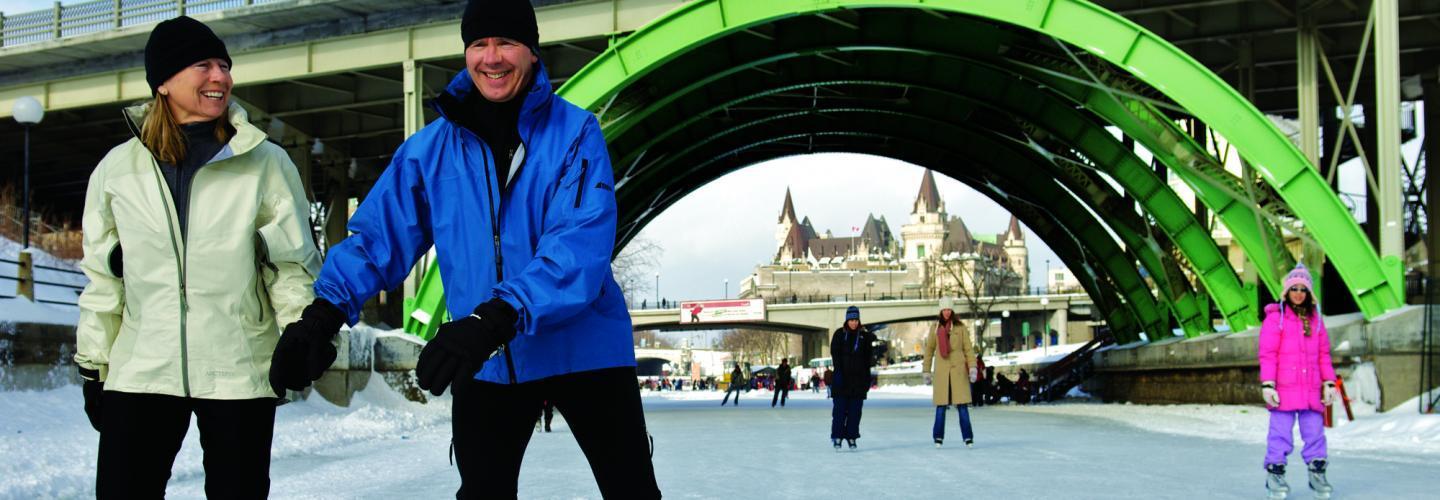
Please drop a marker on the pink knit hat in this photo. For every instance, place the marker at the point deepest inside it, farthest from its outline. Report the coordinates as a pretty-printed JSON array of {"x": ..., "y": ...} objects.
[{"x": 1298, "y": 276}]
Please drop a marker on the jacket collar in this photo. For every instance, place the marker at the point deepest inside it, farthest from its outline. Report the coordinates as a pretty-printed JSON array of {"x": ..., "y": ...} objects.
[
  {"x": 247, "y": 136},
  {"x": 447, "y": 104}
]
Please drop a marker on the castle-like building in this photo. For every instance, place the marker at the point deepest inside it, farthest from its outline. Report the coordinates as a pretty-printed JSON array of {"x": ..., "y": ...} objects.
[{"x": 936, "y": 254}]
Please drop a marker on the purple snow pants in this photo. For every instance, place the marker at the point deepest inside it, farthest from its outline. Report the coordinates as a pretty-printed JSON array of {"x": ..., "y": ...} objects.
[{"x": 1282, "y": 435}]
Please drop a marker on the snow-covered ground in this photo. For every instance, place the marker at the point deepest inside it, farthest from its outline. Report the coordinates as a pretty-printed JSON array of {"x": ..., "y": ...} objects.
[{"x": 385, "y": 447}]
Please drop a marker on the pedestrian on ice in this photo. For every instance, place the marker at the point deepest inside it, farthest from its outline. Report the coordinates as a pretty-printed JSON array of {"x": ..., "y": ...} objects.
[
  {"x": 1297, "y": 382},
  {"x": 737, "y": 384},
  {"x": 852, "y": 349},
  {"x": 197, "y": 245},
  {"x": 513, "y": 187},
  {"x": 782, "y": 383},
  {"x": 951, "y": 353}
]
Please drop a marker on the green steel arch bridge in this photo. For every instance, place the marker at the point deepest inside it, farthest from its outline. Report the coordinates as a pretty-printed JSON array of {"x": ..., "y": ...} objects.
[{"x": 1019, "y": 99}]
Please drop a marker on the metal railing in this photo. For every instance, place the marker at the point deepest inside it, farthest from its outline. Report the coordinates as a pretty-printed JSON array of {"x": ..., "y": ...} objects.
[
  {"x": 63, "y": 21},
  {"x": 76, "y": 288}
]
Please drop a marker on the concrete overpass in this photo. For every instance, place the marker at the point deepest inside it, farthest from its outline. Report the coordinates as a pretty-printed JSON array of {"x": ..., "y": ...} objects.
[
  {"x": 815, "y": 321},
  {"x": 827, "y": 316}
]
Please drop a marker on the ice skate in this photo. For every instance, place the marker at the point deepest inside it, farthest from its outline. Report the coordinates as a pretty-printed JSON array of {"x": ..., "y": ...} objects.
[
  {"x": 836, "y": 442},
  {"x": 852, "y": 445},
  {"x": 939, "y": 442},
  {"x": 969, "y": 443},
  {"x": 1275, "y": 485},
  {"x": 1318, "y": 483}
]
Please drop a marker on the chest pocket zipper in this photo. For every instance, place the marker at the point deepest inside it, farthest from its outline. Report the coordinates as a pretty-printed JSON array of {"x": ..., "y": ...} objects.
[{"x": 580, "y": 186}]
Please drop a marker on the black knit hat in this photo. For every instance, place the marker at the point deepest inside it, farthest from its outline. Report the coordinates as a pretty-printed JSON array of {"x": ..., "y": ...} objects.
[
  {"x": 513, "y": 19},
  {"x": 177, "y": 43}
]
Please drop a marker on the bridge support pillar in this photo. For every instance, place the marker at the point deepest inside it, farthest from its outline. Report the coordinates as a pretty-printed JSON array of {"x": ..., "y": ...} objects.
[
  {"x": 1391, "y": 217},
  {"x": 413, "y": 82},
  {"x": 1431, "y": 88}
]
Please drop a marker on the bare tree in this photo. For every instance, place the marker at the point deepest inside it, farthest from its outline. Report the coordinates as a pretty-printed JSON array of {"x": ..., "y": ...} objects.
[
  {"x": 755, "y": 346},
  {"x": 980, "y": 283},
  {"x": 635, "y": 267},
  {"x": 651, "y": 338}
]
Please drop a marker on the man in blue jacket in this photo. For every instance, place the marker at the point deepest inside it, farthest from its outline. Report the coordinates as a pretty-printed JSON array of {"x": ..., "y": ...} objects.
[{"x": 513, "y": 187}]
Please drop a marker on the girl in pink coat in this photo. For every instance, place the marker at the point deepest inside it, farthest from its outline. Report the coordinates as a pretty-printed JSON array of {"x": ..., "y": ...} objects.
[{"x": 1297, "y": 382}]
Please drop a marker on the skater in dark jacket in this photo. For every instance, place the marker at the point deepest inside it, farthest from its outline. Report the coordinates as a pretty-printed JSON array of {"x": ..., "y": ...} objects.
[
  {"x": 782, "y": 383},
  {"x": 737, "y": 384},
  {"x": 851, "y": 348}
]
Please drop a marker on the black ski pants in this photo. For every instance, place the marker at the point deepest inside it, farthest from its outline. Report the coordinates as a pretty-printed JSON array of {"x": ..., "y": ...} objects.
[
  {"x": 141, "y": 433},
  {"x": 492, "y": 424},
  {"x": 782, "y": 393}
]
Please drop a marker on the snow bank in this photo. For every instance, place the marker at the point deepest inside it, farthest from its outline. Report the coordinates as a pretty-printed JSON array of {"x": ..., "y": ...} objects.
[
  {"x": 50, "y": 448},
  {"x": 22, "y": 310}
]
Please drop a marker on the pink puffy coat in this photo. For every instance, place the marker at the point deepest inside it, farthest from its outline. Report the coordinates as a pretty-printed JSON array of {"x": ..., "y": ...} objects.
[{"x": 1297, "y": 364}]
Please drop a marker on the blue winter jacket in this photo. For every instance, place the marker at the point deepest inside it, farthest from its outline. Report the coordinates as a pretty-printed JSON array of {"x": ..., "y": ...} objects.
[{"x": 556, "y": 221}]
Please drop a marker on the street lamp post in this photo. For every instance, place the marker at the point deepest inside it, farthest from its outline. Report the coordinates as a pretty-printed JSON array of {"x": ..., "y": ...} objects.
[
  {"x": 657, "y": 289},
  {"x": 852, "y": 287},
  {"x": 28, "y": 111},
  {"x": 1004, "y": 314},
  {"x": 727, "y": 288},
  {"x": 1047, "y": 276}
]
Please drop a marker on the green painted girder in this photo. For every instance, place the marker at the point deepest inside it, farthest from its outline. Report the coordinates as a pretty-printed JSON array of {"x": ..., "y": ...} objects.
[
  {"x": 1002, "y": 160},
  {"x": 429, "y": 302},
  {"x": 978, "y": 84},
  {"x": 1377, "y": 287},
  {"x": 1217, "y": 189},
  {"x": 1189, "y": 308}
]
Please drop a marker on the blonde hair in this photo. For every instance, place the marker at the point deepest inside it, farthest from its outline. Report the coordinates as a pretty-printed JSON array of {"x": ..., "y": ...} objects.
[{"x": 161, "y": 134}]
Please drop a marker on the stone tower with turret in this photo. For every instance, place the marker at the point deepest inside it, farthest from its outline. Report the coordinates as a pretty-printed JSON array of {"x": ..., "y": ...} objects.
[
  {"x": 1013, "y": 241},
  {"x": 924, "y": 236}
]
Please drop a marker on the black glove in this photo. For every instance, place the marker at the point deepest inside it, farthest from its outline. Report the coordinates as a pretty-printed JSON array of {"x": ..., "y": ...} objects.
[
  {"x": 93, "y": 389},
  {"x": 304, "y": 350},
  {"x": 462, "y": 346}
]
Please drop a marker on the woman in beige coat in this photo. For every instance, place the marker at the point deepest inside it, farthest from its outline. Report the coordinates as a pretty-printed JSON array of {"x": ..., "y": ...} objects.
[{"x": 949, "y": 350}]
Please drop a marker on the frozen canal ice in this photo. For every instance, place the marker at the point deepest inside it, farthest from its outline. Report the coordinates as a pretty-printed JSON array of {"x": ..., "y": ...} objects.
[{"x": 384, "y": 447}]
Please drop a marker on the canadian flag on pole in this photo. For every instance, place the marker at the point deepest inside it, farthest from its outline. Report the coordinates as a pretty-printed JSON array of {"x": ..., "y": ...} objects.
[{"x": 854, "y": 229}]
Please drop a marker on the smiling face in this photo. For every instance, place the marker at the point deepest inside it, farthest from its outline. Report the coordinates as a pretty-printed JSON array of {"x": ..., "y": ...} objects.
[
  {"x": 500, "y": 67},
  {"x": 200, "y": 92},
  {"x": 1297, "y": 294}
]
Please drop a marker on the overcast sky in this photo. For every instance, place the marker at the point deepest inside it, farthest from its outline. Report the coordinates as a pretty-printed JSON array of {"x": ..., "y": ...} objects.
[
  {"x": 724, "y": 229},
  {"x": 12, "y": 7}
]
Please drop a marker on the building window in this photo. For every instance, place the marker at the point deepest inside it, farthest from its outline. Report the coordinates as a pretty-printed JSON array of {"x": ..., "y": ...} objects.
[{"x": 920, "y": 251}]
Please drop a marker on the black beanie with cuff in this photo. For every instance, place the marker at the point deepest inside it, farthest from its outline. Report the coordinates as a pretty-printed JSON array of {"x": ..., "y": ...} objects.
[{"x": 176, "y": 44}]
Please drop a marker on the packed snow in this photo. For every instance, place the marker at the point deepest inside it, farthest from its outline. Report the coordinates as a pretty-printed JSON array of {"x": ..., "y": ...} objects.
[{"x": 385, "y": 447}]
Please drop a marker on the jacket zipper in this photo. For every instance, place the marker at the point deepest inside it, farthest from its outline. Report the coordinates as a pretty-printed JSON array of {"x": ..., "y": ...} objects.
[
  {"x": 500, "y": 257},
  {"x": 580, "y": 189},
  {"x": 180, "y": 253},
  {"x": 495, "y": 232}
]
